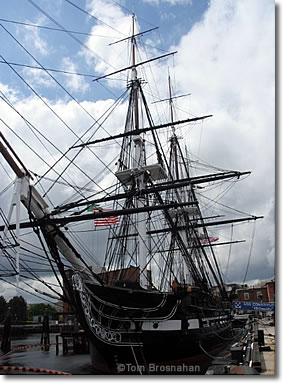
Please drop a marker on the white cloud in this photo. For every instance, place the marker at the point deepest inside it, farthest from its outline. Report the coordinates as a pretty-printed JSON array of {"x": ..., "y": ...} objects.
[
  {"x": 46, "y": 124},
  {"x": 33, "y": 41},
  {"x": 37, "y": 78},
  {"x": 27, "y": 289},
  {"x": 12, "y": 94},
  {"x": 170, "y": 2},
  {"x": 74, "y": 83},
  {"x": 227, "y": 62},
  {"x": 109, "y": 58}
]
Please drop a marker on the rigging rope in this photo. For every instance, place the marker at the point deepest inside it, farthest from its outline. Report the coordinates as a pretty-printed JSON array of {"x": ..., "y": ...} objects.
[
  {"x": 52, "y": 110},
  {"x": 250, "y": 253},
  {"x": 53, "y": 29},
  {"x": 26, "y": 144},
  {"x": 138, "y": 366},
  {"x": 70, "y": 34}
]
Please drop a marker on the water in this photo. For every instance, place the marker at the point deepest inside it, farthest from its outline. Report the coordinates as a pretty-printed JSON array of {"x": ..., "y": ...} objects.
[{"x": 35, "y": 357}]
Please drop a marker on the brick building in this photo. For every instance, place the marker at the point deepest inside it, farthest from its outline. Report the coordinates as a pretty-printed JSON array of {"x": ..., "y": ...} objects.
[
  {"x": 265, "y": 293},
  {"x": 255, "y": 294},
  {"x": 270, "y": 287}
]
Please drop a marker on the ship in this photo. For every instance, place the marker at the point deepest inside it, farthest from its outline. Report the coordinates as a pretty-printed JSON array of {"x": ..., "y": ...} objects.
[{"x": 158, "y": 298}]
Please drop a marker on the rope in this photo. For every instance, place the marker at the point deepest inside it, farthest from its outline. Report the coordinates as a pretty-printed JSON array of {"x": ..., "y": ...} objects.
[
  {"x": 213, "y": 357},
  {"x": 144, "y": 360},
  {"x": 27, "y": 347},
  {"x": 32, "y": 369},
  {"x": 250, "y": 253},
  {"x": 138, "y": 367}
]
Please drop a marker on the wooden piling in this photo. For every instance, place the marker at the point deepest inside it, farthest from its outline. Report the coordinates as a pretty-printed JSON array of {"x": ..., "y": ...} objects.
[
  {"x": 57, "y": 344},
  {"x": 45, "y": 337},
  {"x": 6, "y": 343}
]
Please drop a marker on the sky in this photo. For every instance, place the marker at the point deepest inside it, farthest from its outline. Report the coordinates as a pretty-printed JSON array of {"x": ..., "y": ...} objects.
[{"x": 225, "y": 59}]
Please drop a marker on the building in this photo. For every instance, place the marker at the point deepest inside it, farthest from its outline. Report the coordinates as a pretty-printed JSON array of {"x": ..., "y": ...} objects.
[
  {"x": 265, "y": 294},
  {"x": 270, "y": 287},
  {"x": 253, "y": 294}
]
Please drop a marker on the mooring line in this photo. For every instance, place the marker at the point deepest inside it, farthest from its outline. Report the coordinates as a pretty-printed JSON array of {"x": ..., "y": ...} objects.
[
  {"x": 33, "y": 369},
  {"x": 26, "y": 347}
]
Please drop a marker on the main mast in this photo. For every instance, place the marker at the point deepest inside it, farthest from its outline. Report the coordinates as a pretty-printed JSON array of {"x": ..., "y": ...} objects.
[{"x": 138, "y": 163}]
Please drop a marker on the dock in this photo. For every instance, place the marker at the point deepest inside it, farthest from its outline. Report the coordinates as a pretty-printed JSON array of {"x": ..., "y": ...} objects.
[
  {"x": 75, "y": 341},
  {"x": 253, "y": 354},
  {"x": 267, "y": 351}
]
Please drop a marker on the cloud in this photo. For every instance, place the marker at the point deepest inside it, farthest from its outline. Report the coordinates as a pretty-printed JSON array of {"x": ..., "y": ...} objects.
[
  {"x": 169, "y": 2},
  {"x": 73, "y": 82},
  {"x": 227, "y": 62},
  {"x": 30, "y": 290},
  {"x": 37, "y": 78},
  {"x": 108, "y": 58},
  {"x": 33, "y": 41},
  {"x": 12, "y": 94}
]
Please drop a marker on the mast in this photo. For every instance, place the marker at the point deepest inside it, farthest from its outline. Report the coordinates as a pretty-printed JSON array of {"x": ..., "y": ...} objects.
[
  {"x": 139, "y": 162},
  {"x": 195, "y": 257}
]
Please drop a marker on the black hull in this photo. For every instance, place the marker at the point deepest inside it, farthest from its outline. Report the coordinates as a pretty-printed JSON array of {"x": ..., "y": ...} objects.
[
  {"x": 176, "y": 355},
  {"x": 141, "y": 332}
]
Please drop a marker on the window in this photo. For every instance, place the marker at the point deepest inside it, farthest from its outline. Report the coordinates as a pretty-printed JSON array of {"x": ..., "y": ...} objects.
[
  {"x": 259, "y": 295},
  {"x": 246, "y": 296}
]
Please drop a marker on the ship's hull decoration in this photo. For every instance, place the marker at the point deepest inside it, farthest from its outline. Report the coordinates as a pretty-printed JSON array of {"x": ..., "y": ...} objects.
[{"x": 157, "y": 339}]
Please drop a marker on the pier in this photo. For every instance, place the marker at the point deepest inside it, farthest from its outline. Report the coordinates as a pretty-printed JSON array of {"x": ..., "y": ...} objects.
[{"x": 254, "y": 354}]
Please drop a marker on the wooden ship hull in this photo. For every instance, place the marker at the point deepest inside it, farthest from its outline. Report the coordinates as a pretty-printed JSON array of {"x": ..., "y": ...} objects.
[{"x": 132, "y": 330}]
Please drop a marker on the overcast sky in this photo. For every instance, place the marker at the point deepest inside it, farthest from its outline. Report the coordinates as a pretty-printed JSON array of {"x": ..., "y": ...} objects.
[{"x": 225, "y": 60}]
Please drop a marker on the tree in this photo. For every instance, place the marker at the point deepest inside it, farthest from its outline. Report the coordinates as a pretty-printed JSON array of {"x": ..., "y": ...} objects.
[
  {"x": 18, "y": 307},
  {"x": 40, "y": 309},
  {"x": 3, "y": 309}
]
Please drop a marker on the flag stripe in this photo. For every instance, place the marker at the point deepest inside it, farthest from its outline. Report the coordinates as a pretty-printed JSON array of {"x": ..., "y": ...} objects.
[{"x": 107, "y": 221}]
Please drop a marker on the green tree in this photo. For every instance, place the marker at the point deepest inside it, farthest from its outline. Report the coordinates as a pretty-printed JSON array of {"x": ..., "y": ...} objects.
[
  {"x": 40, "y": 309},
  {"x": 18, "y": 307},
  {"x": 3, "y": 309}
]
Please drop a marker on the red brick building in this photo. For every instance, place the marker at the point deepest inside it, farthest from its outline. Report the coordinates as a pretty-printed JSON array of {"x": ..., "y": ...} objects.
[
  {"x": 270, "y": 287},
  {"x": 257, "y": 294}
]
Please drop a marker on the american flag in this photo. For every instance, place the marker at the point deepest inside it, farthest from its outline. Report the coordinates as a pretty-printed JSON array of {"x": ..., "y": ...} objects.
[{"x": 106, "y": 221}]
